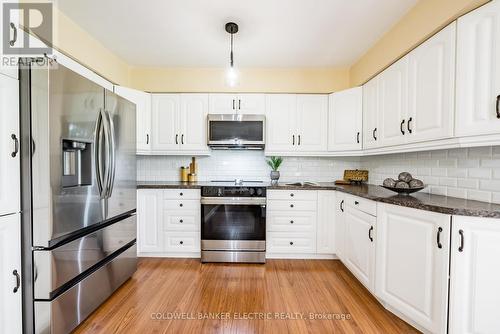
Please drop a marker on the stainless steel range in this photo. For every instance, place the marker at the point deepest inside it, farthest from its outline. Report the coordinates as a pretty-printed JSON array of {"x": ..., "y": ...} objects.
[{"x": 233, "y": 225}]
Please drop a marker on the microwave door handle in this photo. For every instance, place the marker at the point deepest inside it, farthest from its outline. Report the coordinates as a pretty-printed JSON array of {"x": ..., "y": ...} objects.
[
  {"x": 97, "y": 153},
  {"x": 112, "y": 153}
]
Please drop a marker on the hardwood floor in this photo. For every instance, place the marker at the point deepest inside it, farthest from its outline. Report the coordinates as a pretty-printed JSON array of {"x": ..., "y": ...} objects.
[{"x": 164, "y": 288}]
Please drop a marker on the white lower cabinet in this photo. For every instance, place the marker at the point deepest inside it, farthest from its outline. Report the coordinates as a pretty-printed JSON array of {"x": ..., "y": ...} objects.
[
  {"x": 149, "y": 216},
  {"x": 10, "y": 274},
  {"x": 475, "y": 276},
  {"x": 359, "y": 245},
  {"x": 325, "y": 234},
  {"x": 340, "y": 225},
  {"x": 412, "y": 265}
]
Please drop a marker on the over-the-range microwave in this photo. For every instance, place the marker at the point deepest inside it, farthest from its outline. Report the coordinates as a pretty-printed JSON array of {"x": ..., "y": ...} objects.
[{"x": 236, "y": 131}]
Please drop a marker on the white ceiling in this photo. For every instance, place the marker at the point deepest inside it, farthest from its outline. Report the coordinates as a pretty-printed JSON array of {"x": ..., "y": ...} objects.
[{"x": 273, "y": 33}]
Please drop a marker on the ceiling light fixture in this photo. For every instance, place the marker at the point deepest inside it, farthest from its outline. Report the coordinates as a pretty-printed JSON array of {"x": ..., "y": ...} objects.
[{"x": 231, "y": 72}]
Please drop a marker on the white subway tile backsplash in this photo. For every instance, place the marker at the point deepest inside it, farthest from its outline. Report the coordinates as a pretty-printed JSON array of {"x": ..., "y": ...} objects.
[
  {"x": 468, "y": 183},
  {"x": 480, "y": 173},
  {"x": 477, "y": 195}
]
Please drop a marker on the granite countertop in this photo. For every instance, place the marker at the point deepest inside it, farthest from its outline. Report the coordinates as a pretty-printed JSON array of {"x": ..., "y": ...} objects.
[{"x": 436, "y": 203}]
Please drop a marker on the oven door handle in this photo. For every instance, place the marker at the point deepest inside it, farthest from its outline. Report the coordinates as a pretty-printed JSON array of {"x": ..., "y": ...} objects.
[{"x": 233, "y": 200}]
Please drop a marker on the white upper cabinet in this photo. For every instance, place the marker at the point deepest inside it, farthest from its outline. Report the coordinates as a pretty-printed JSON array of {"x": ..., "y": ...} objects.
[
  {"x": 474, "y": 276},
  {"x": 9, "y": 146},
  {"x": 345, "y": 120},
  {"x": 165, "y": 122},
  {"x": 193, "y": 122},
  {"x": 237, "y": 103},
  {"x": 10, "y": 275},
  {"x": 312, "y": 126},
  {"x": 478, "y": 72},
  {"x": 370, "y": 114},
  {"x": 412, "y": 264},
  {"x": 325, "y": 233},
  {"x": 296, "y": 123},
  {"x": 393, "y": 103},
  {"x": 142, "y": 102},
  {"x": 431, "y": 87},
  {"x": 179, "y": 123}
]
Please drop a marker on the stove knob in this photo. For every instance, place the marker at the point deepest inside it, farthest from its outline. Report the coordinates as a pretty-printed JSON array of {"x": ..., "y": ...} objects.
[
  {"x": 251, "y": 191},
  {"x": 219, "y": 192},
  {"x": 259, "y": 191}
]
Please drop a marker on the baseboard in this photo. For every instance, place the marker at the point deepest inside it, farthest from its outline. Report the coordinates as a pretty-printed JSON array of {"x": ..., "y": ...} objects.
[
  {"x": 301, "y": 256},
  {"x": 188, "y": 255}
]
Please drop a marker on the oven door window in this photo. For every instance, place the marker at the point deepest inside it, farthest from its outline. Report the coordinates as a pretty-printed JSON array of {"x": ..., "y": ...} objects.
[{"x": 233, "y": 222}]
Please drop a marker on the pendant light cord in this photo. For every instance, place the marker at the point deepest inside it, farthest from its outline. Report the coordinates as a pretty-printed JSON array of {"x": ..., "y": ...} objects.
[{"x": 231, "y": 54}]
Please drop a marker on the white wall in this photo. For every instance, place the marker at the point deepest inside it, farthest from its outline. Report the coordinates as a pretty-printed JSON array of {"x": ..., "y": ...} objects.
[
  {"x": 248, "y": 165},
  {"x": 472, "y": 173}
]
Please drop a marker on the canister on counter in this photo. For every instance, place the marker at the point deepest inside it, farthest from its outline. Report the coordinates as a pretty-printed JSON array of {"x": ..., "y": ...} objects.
[
  {"x": 184, "y": 174},
  {"x": 192, "y": 178}
]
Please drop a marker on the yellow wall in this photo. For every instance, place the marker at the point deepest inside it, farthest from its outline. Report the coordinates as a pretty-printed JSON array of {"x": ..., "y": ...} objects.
[
  {"x": 421, "y": 22},
  {"x": 309, "y": 80}
]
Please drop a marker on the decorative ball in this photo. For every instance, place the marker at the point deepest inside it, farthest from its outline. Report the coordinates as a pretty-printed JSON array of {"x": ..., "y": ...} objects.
[
  {"x": 402, "y": 185},
  {"x": 391, "y": 183},
  {"x": 405, "y": 177},
  {"x": 416, "y": 183}
]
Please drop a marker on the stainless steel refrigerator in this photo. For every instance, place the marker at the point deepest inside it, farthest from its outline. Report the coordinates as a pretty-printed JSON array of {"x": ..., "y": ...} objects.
[{"x": 78, "y": 195}]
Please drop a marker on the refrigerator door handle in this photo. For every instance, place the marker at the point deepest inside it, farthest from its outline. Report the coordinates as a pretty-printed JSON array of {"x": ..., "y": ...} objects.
[
  {"x": 99, "y": 128},
  {"x": 107, "y": 139},
  {"x": 112, "y": 154}
]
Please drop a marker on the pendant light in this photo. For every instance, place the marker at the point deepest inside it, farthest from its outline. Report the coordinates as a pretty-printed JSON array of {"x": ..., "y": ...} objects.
[{"x": 232, "y": 75}]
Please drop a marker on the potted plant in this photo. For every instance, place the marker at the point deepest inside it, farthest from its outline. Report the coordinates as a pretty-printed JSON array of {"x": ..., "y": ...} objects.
[{"x": 275, "y": 163}]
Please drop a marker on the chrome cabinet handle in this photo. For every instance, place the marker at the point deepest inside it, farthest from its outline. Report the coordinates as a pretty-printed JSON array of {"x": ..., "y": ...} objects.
[
  {"x": 18, "y": 281},
  {"x": 233, "y": 105},
  {"x": 14, "y": 39},
  {"x": 498, "y": 107},
  {"x": 370, "y": 233},
  {"x": 342, "y": 206},
  {"x": 408, "y": 124},
  {"x": 375, "y": 133},
  {"x": 357, "y": 137},
  {"x": 298, "y": 143},
  {"x": 461, "y": 247},
  {"x": 440, "y": 229},
  {"x": 176, "y": 139},
  {"x": 182, "y": 139},
  {"x": 293, "y": 139},
  {"x": 16, "y": 145},
  {"x": 401, "y": 127},
  {"x": 147, "y": 139},
  {"x": 239, "y": 104}
]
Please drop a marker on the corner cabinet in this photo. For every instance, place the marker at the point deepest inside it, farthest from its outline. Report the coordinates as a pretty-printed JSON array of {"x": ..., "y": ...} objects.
[
  {"x": 9, "y": 146},
  {"x": 412, "y": 265},
  {"x": 296, "y": 124},
  {"x": 474, "y": 275},
  {"x": 478, "y": 71},
  {"x": 10, "y": 275},
  {"x": 179, "y": 124},
  {"x": 142, "y": 102},
  {"x": 345, "y": 114}
]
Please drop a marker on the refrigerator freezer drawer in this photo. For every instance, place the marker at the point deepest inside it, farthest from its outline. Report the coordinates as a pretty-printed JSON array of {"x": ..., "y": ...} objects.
[
  {"x": 56, "y": 267},
  {"x": 63, "y": 314}
]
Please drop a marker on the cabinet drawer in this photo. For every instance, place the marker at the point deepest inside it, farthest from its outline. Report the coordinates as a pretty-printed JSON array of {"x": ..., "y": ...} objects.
[
  {"x": 181, "y": 221},
  {"x": 182, "y": 205},
  {"x": 362, "y": 204},
  {"x": 182, "y": 194},
  {"x": 291, "y": 206},
  {"x": 182, "y": 242},
  {"x": 298, "y": 195},
  {"x": 286, "y": 242},
  {"x": 286, "y": 222}
]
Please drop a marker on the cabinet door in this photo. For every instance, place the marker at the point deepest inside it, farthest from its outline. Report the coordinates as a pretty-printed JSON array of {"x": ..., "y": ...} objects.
[
  {"x": 325, "y": 233},
  {"x": 10, "y": 267},
  {"x": 222, "y": 103},
  {"x": 474, "y": 276},
  {"x": 339, "y": 225},
  {"x": 312, "y": 122},
  {"x": 251, "y": 104},
  {"x": 165, "y": 122},
  {"x": 478, "y": 71},
  {"x": 9, "y": 146},
  {"x": 431, "y": 87},
  {"x": 281, "y": 122},
  {"x": 15, "y": 37},
  {"x": 393, "y": 103},
  {"x": 359, "y": 245},
  {"x": 193, "y": 119},
  {"x": 142, "y": 102},
  {"x": 412, "y": 264},
  {"x": 149, "y": 220},
  {"x": 370, "y": 114},
  {"x": 345, "y": 120}
]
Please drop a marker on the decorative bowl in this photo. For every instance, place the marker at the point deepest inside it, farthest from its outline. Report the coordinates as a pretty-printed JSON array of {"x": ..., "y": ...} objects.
[{"x": 405, "y": 191}]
